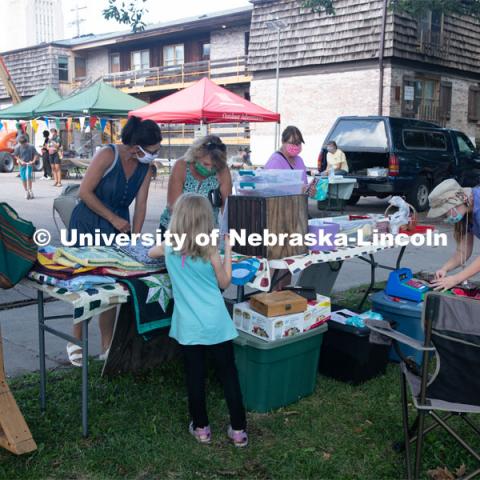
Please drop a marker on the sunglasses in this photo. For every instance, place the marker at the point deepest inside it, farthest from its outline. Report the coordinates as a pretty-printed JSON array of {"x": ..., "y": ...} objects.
[{"x": 213, "y": 145}]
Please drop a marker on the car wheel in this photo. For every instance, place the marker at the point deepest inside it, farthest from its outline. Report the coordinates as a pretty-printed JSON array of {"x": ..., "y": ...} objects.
[
  {"x": 7, "y": 164},
  {"x": 353, "y": 200},
  {"x": 38, "y": 165},
  {"x": 418, "y": 195}
]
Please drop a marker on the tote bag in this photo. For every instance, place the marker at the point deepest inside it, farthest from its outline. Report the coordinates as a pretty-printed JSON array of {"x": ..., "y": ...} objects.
[{"x": 18, "y": 251}]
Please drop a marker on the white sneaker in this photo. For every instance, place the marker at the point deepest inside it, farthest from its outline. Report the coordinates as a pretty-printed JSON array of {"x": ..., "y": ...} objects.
[
  {"x": 27, "y": 194},
  {"x": 31, "y": 195}
]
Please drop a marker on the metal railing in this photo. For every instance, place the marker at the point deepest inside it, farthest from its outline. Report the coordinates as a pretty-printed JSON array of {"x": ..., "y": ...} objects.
[{"x": 229, "y": 68}]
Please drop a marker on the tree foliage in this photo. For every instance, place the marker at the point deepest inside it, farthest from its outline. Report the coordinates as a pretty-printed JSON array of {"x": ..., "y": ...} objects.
[
  {"x": 320, "y": 6},
  {"x": 127, "y": 12}
]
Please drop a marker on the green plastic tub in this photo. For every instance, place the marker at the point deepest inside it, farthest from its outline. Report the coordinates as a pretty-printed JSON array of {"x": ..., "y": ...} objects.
[{"x": 275, "y": 374}]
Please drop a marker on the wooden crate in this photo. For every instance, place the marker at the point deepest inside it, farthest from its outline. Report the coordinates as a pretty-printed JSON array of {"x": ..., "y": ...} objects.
[
  {"x": 282, "y": 214},
  {"x": 275, "y": 304}
]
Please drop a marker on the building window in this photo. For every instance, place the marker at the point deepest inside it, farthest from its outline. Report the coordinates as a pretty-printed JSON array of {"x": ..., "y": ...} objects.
[
  {"x": 173, "y": 55},
  {"x": 474, "y": 104},
  {"x": 140, "y": 60},
  {"x": 430, "y": 28},
  {"x": 63, "y": 69},
  {"x": 80, "y": 67},
  {"x": 114, "y": 62},
  {"x": 247, "y": 42},
  {"x": 206, "y": 51},
  {"x": 421, "y": 98}
]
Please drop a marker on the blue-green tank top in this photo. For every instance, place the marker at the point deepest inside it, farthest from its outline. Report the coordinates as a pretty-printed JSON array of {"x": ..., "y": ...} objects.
[
  {"x": 193, "y": 185},
  {"x": 200, "y": 316}
]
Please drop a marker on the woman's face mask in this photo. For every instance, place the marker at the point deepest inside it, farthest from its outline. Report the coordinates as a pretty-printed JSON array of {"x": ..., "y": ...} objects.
[
  {"x": 455, "y": 218},
  {"x": 292, "y": 149},
  {"x": 204, "y": 171},
  {"x": 147, "y": 157}
]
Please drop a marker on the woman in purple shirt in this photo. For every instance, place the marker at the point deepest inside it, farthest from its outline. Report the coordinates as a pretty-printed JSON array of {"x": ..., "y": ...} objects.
[{"x": 289, "y": 154}]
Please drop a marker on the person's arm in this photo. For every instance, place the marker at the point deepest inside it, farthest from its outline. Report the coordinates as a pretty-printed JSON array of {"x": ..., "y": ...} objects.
[
  {"x": 223, "y": 271},
  {"x": 176, "y": 182},
  {"x": 141, "y": 203},
  {"x": 225, "y": 180},
  {"x": 101, "y": 161},
  {"x": 463, "y": 253},
  {"x": 156, "y": 252}
]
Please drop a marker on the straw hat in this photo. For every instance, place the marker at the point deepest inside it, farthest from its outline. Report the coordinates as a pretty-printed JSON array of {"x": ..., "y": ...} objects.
[{"x": 445, "y": 196}]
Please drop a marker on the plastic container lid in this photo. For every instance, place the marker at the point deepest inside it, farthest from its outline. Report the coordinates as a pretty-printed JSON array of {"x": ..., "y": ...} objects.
[{"x": 247, "y": 340}]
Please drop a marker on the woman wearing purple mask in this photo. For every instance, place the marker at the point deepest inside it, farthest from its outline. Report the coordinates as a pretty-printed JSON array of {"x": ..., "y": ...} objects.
[{"x": 289, "y": 154}]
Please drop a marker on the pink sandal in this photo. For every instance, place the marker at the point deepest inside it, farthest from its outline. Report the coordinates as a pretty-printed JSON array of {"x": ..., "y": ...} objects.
[
  {"x": 238, "y": 437},
  {"x": 202, "y": 435}
]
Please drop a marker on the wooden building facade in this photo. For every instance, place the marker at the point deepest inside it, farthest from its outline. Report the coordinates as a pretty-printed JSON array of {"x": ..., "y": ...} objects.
[{"x": 329, "y": 66}]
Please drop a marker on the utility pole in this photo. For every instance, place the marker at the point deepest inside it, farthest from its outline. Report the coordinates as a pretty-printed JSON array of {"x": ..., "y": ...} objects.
[{"x": 78, "y": 21}]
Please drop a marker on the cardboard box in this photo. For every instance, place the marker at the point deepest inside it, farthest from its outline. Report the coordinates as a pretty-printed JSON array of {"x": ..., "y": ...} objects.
[
  {"x": 273, "y": 328},
  {"x": 318, "y": 312},
  {"x": 275, "y": 304}
]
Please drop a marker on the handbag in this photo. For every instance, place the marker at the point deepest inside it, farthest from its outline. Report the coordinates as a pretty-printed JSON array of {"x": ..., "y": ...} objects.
[
  {"x": 215, "y": 197},
  {"x": 18, "y": 251},
  {"x": 65, "y": 203}
]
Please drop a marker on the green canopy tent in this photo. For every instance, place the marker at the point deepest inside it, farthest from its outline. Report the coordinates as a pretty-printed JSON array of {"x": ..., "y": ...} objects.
[
  {"x": 27, "y": 109},
  {"x": 99, "y": 99}
]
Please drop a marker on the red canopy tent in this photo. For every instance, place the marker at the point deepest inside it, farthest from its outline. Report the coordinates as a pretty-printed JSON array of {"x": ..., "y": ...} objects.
[{"x": 204, "y": 102}]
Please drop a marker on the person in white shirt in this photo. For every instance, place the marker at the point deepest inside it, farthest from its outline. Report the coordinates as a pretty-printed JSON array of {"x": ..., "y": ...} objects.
[{"x": 336, "y": 160}]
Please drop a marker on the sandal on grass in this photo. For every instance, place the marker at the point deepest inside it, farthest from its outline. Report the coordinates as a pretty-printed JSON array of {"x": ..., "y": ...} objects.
[
  {"x": 75, "y": 354},
  {"x": 238, "y": 437},
  {"x": 202, "y": 435}
]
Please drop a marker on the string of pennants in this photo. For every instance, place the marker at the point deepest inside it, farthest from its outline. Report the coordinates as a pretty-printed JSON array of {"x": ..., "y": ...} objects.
[{"x": 82, "y": 124}]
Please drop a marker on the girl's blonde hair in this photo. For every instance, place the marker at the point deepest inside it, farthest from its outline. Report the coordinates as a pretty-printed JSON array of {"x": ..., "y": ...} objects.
[
  {"x": 210, "y": 145},
  {"x": 192, "y": 215}
]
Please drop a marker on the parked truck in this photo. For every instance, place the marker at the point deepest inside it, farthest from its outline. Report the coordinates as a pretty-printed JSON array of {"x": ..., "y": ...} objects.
[{"x": 402, "y": 156}]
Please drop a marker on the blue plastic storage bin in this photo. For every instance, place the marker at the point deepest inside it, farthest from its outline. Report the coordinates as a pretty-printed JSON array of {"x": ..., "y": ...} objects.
[{"x": 407, "y": 316}]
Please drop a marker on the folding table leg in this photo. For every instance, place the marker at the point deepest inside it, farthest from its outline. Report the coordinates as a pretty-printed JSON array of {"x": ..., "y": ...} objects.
[
  {"x": 85, "y": 378},
  {"x": 373, "y": 266},
  {"x": 41, "y": 348}
]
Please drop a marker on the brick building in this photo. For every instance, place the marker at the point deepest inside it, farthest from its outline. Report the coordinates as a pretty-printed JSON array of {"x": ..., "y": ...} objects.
[{"x": 329, "y": 66}]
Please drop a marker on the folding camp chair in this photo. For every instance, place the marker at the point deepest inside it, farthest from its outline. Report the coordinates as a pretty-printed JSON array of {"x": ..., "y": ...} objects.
[{"x": 452, "y": 332}]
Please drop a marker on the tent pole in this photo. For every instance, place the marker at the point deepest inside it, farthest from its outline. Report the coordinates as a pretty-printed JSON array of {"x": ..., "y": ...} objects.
[
  {"x": 169, "y": 152},
  {"x": 111, "y": 130}
]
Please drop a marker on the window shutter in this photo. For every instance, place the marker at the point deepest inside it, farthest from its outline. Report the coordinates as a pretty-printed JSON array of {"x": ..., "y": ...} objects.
[
  {"x": 472, "y": 104},
  {"x": 445, "y": 100}
]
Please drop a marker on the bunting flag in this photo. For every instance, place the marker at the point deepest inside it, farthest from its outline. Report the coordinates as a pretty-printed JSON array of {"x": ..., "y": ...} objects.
[
  {"x": 57, "y": 124},
  {"x": 69, "y": 124},
  {"x": 82, "y": 122},
  {"x": 123, "y": 122},
  {"x": 34, "y": 125},
  {"x": 46, "y": 123},
  {"x": 103, "y": 124},
  {"x": 1, "y": 125},
  {"x": 92, "y": 121}
]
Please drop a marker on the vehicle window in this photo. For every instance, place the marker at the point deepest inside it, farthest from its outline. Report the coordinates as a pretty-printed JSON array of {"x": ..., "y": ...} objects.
[
  {"x": 360, "y": 133},
  {"x": 464, "y": 144},
  {"x": 414, "y": 139},
  {"x": 436, "y": 140}
]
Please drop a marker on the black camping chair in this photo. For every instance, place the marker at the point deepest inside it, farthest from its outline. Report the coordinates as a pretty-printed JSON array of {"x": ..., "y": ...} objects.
[{"x": 452, "y": 331}]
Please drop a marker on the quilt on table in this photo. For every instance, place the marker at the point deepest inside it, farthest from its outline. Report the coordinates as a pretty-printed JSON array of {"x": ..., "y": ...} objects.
[
  {"x": 87, "y": 303},
  {"x": 152, "y": 301}
]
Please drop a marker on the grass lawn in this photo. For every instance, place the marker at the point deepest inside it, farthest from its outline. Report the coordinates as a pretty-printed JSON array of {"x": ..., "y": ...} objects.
[{"x": 138, "y": 429}]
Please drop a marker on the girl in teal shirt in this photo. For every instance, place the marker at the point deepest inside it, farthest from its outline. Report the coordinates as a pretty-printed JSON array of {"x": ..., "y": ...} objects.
[{"x": 200, "y": 320}]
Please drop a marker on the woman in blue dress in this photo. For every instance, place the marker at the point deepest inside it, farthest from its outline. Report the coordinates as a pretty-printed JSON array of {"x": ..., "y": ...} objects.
[{"x": 117, "y": 175}]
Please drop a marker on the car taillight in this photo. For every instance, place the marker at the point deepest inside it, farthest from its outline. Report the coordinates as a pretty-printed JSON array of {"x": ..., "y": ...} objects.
[
  {"x": 320, "y": 161},
  {"x": 393, "y": 166}
]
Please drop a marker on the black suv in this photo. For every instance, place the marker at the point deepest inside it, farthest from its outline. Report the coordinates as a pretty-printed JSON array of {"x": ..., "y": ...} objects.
[{"x": 415, "y": 156}]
